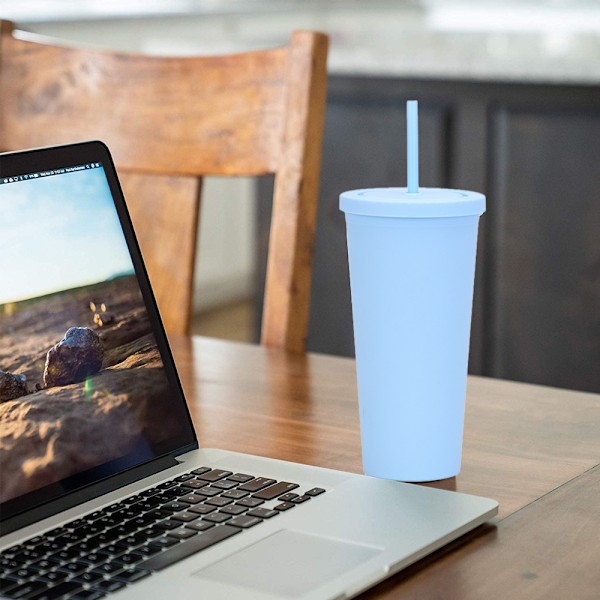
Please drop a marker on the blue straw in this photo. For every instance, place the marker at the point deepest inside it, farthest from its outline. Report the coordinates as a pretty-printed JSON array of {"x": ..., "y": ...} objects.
[{"x": 412, "y": 145}]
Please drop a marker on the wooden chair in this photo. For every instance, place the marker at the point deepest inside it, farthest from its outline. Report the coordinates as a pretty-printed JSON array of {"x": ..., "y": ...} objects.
[{"x": 170, "y": 121}]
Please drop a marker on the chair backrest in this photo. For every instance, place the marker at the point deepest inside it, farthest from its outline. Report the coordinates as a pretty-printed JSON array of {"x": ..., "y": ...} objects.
[{"x": 171, "y": 120}]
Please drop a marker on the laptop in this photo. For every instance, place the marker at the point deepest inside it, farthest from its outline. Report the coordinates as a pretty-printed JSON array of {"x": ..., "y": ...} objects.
[{"x": 105, "y": 487}]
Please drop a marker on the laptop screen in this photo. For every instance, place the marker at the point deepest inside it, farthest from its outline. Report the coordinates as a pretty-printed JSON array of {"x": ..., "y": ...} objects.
[{"x": 83, "y": 389}]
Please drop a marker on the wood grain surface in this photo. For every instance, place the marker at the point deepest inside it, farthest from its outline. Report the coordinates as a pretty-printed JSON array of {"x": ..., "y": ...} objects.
[{"x": 534, "y": 449}]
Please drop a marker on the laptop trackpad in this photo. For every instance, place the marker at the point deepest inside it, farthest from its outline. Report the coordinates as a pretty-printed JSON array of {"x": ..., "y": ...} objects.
[{"x": 288, "y": 564}]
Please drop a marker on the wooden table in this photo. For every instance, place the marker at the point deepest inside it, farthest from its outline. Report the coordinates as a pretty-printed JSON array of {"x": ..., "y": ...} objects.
[{"x": 534, "y": 449}]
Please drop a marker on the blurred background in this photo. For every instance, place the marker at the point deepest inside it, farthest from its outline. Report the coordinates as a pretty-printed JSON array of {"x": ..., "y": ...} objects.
[{"x": 509, "y": 106}]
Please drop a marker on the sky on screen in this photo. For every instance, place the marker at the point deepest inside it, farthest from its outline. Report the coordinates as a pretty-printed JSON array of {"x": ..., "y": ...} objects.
[{"x": 57, "y": 233}]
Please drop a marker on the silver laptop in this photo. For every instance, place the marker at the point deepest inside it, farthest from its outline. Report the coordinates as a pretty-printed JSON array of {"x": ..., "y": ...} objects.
[{"x": 105, "y": 490}]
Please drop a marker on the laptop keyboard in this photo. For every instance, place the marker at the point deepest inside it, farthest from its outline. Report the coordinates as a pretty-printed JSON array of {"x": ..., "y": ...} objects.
[{"x": 108, "y": 549}]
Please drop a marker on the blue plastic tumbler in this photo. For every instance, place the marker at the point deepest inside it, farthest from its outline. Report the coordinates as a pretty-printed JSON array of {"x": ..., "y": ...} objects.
[
  {"x": 412, "y": 268},
  {"x": 412, "y": 255}
]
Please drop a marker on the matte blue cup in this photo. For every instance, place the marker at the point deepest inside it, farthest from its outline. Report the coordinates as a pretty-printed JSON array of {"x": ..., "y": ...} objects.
[{"x": 412, "y": 269}]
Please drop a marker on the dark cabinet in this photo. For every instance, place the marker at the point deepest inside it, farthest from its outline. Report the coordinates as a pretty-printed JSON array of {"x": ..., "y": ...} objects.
[{"x": 534, "y": 150}]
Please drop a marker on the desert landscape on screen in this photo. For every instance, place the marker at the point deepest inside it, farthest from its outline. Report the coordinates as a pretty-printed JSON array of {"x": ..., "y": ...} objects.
[{"x": 52, "y": 432}]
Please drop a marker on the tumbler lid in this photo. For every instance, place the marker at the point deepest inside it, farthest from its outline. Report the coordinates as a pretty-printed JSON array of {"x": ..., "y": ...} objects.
[{"x": 398, "y": 202}]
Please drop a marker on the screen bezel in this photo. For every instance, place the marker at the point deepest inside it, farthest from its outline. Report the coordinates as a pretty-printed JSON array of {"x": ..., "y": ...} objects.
[{"x": 61, "y": 494}]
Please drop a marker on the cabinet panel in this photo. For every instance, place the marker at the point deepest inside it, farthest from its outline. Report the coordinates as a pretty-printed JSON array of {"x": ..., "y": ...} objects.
[{"x": 545, "y": 247}]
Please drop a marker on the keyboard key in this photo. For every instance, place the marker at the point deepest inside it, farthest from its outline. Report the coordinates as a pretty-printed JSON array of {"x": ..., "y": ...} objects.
[
  {"x": 200, "y": 525},
  {"x": 184, "y": 477},
  {"x": 54, "y": 532},
  {"x": 106, "y": 537},
  {"x": 71, "y": 538},
  {"x": 315, "y": 491},
  {"x": 208, "y": 491},
  {"x": 146, "y": 551},
  {"x": 23, "y": 573},
  {"x": 150, "y": 532},
  {"x": 236, "y": 509},
  {"x": 89, "y": 577},
  {"x": 203, "y": 509},
  {"x": 226, "y": 484},
  {"x": 162, "y": 542},
  {"x": 26, "y": 590},
  {"x": 67, "y": 587},
  {"x": 189, "y": 547},
  {"x": 174, "y": 506},
  {"x": 192, "y": 498},
  {"x": 140, "y": 521},
  {"x": 72, "y": 568},
  {"x": 136, "y": 498},
  {"x": 34, "y": 541},
  {"x": 256, "y": 484},
  {"x": 214, "y": 475},
  {"x": 263, "y": 513},
  {"x": 105, "y": 522},
  {"x": 42, "y": 565},
  {"x": 112, "y": 549},
  {"x": 182, "y": 490},
  {"x": 276, "y": 490},
  {"x": 126, "y": 529},
  {"x": 130, "y": 559},
  {"x": 182, "y": 534},
  {"x": 284, "y": 506},
  {"x": 220, "y": 501},
  {"x": 287, "y": 497},
  {"x": 6, "y": 585},
  {"x": 250, "y": 502},
  {"x": 8, "y": 564},
  {"x": 301, "y": 499},
  {"x": 131, "y": 575},
  {"x": 157, "y": 514},
  {"x": 185, "y": 517},
  {"x": 89, "y": 529},
  {"x": 53, "y": 577},
  {"x": 109, "y": 586},
  {"x": 108, "y": 568},
  {"x": 49, "y": 546},
  {"x": 178, "y": 491},
  {"x": 27, "y": 555},
  {"x": 201, "y": 470},
  {"x": 98, "y": 514},
  {"x": 166, "y": 485},
  {"x": 168, "y": 525},
  {"x": 90, "y": 545},
  {"x": 94, "y": 558},
  {"x": 240, "y": 477},
  {"x": 217, "y": 517},
  {"x": 235, "y": 494},
  {"x": 10, "y": 552},
  {"x": 132, "y": 540},
  {"x": 244, "y": 522},
  {"x": 195, "y": 484}
]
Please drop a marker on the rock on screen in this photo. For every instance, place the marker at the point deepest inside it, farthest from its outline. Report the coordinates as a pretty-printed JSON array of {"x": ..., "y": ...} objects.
[{"x": 81, "y": 378}]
